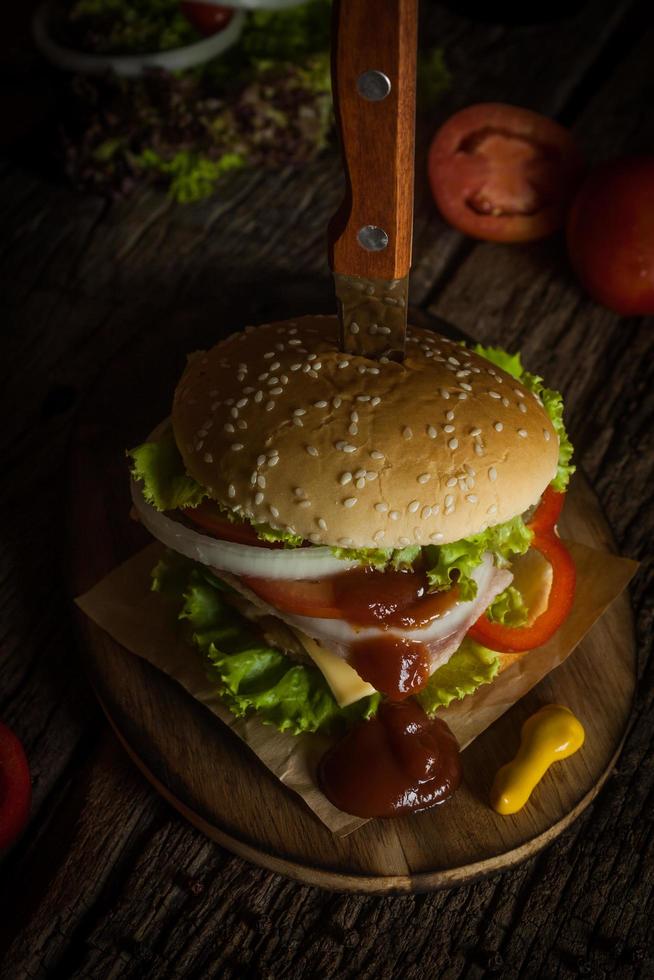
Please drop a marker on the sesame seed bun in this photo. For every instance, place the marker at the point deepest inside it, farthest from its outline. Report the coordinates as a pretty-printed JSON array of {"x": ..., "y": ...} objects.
[{"x": 284, "y": 428}]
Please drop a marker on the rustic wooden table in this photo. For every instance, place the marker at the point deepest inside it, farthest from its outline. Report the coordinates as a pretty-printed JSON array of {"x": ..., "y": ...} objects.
[{"x": 108, "y": 881}]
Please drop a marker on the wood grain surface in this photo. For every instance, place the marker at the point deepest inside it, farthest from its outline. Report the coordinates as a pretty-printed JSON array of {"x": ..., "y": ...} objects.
[
  {"x": 108, "y": 880},
  {"x": 377, "y": 137}
]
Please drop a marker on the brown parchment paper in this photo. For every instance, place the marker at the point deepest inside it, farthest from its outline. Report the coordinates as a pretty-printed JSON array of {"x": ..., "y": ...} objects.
[{"x": 145, "y": 623}]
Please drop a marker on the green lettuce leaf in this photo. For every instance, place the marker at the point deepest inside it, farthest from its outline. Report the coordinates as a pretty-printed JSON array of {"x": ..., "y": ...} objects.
[
  {"x": 380, "y": 558},
  {"x": 508, "y": 608},
  {"x": 159, "y": 467},
  {"x": 552, "y": 403},
  {"x": 471, "y": 666},
  {"x": 250, "y": 675},
  {"x": 448, "y": 564}
]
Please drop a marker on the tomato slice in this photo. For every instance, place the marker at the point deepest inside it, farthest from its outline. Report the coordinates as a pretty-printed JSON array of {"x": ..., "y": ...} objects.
[
  {"x": 507, "y": 639},
  {"x": 208, "y": 517},
  {"x": 503, "y": 173},
  {"x": 207, "y": 18},
  {"x": 548, "y": 512},
  {"x": 301, "y": 597},
  {"x": 15, "y": 787}
]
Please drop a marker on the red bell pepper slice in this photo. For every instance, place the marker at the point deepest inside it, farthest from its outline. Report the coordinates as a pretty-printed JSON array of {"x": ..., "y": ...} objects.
[
  {"x": 15, "y": 787},
  {"x": 508, "y": 639},
  {"x": 547, "y": 513}
]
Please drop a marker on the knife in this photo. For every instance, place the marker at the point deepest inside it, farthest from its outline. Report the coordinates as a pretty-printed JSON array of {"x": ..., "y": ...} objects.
[{"x": 374, "y": 45}]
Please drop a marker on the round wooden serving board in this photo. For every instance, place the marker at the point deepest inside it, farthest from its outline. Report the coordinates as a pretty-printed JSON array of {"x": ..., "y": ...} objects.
[{"x": 215, "y": 781}]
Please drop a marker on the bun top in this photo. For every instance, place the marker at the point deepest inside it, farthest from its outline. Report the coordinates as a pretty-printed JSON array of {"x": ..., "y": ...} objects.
[{"x": 283, "y": 428}]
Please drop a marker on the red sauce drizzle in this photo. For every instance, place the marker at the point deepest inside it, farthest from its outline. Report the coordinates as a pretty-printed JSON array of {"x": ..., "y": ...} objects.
[
  {"x": 397, "y": 762},
  {"x": 392, "y": 664},
  {"x": 368, "y": 597}
]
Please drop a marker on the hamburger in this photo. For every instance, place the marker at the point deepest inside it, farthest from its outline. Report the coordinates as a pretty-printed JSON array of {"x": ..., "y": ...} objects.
[{"x": 345, "y": 535}]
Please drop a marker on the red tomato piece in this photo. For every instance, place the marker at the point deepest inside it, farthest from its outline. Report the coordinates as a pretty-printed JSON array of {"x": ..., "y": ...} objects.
[
  {"x": 207, "y": 18},
  {"x": 208, "y": 517},
  {"x": 507, "y": 639},
  {"x": 15, "y": 787},
  {"x": 301, "y": 597},
  {"x": 503, "y": 173},
  {"x": 611, "y": 235}
]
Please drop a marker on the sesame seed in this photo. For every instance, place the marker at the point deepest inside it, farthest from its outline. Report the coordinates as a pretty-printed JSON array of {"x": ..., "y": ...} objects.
[
  {"x": 320, "y": 404},
  {"x": 492, "y": 509},
  {"x": 241, "y": 424},
  {"x": 449, "y": 416},
  {"x": 269, "y": 354},
  {"x": 363, "y": 398},
  {"x": 295, "y": 367},
  {"x": 353, "y": 429},
  {"x": 299, "y": 492},
  {"x": 231, "y": 490},
  {"x": 273, "y": 461},
  {"x": 375, "y": 454},
  {"x": 453, "y": 360},
  {"x": 345, "y": 478},
  {"x": 270, "y": 406},
  {"x": 237, "y": 446},
  {"x": 462, "y": 396},
  {"x": 376, "y": 400},
  {"x": 435, "y": 508},
  {"x": 312, "y": 451},
  {"x": 403, "y": 541},
  {"x": 451, "y": 482},
  {"x": 407, "y": 432},
  {"x": 208, "y": 458},
  {"x": 258, "y": 498},
  {"x": 292, "y": 343},
  {"x": 425, "y": 512},
  {"x": 253, "y": 479},
  {"x": 498, "y": 426},
  {"x": 336, "y": 402},
  {"x": 448, "y": 428},
  {"x": 472, "y": 498},
  {"x": 275, "y": 367},
  {"x": 304, "y": 503},
  {"x": 360, "y": 483},
  {"x": 314, "y": 538},
  {"x": 466, "y": 387},
  {"x": 274, "y": 511},
  {"x": 261, "y": 460},
  {"x": 479, "y": 449},
  {"x": 354, "y": 327},
  {"x": 449, "y": 510},
  {"x": 436, "y": 537},
  {"x": 494, "y": 394},
  {"x": 234, "y": 413},
  {"x": 371, "y": 474},
  {"x": 424, "y": 478},
  {"x": 505, "y": 402},
  {"x": 322, "y": 523},
  {"x": 242, "y": 402},
  {"x": 343, "y": 364},
  {"x": 431, "y": 432},
  {"x": 378, "y": 535},
  {"x": 261, "y": 481},
  {"x": 492, "y": 474},
  {"x": 394, "y": 515},
  {"x": 373, "y": 370},
  {"x": 469, "y": 482},
  {"x": 229, "y": 427},
  {"x": 345, "y": 542},
  {"x": 298, "y": 422},
  {"x": 475, "y": 432},
  {"x": 413, "y": 506},
  {"x": 522, "y": 433},
  {"x": 381, "y": 507},
  {"x": 258, "y": 397},
  {"x": 359, "y": 473},
  {"x": 453, "y": 443},
  {"x": 546, "y": 435},
  {"x": 445, "y": 393},
  {"x": 349, "y": 449},
  {"x": 522, "y": 407},
  {"x": 449, "y": 500}
]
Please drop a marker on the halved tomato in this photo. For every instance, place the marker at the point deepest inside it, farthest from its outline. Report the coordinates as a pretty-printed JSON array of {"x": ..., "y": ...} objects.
[{"x": 503, "y": 173}]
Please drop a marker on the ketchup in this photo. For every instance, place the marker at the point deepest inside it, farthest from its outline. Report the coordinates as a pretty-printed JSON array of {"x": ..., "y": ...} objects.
[
  {"x": 392, "y": 664},
  {"x": 398, "y": 761},
  {"x": 368, "y": 597}
]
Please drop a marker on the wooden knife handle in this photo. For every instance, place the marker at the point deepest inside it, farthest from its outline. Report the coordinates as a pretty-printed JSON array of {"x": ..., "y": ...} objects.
[{"x": 377, "y": 136}]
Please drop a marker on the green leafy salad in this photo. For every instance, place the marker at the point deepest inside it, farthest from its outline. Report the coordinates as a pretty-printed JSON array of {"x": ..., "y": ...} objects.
[{"x": 295, "y": 697}]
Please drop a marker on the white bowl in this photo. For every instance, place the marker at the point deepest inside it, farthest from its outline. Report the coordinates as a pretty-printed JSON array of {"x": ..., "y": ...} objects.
[{"x": 131, "y": 65}]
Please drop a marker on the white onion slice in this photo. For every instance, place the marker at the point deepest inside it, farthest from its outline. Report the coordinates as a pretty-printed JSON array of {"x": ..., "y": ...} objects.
[{"x": 240, "y": 559}]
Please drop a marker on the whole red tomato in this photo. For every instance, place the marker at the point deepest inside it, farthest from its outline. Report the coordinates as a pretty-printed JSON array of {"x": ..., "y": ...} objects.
[
  {"x": 207, "y": 18},
  {"x": 503, "y": 173},
  {"x": 611, "y": 235}
]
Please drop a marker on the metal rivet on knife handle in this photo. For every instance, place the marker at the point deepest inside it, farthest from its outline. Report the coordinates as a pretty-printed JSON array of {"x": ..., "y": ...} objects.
[
  {"x": 373, "y": 85},
  {"x": 372, "y": 238}
]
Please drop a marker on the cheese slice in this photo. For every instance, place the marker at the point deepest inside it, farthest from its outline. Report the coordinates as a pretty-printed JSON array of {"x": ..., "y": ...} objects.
[
  {"x": 532, "y": 577},
  {"x": 344, "y": 682}
]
